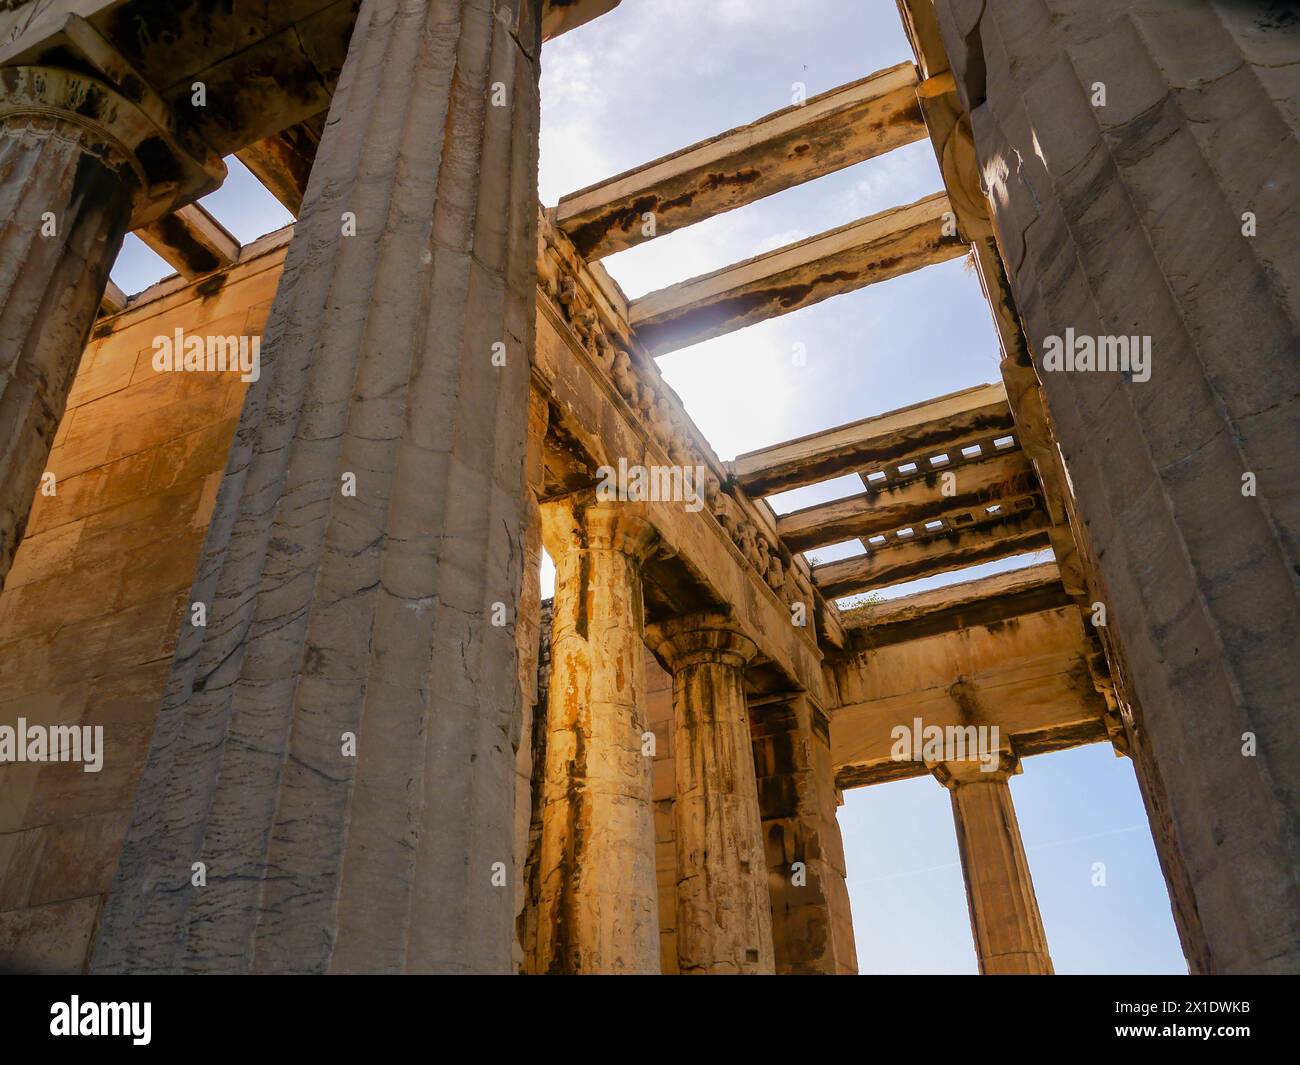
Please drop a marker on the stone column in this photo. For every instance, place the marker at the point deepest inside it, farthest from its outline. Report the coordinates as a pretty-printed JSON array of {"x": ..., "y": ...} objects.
[
  {"x": 724, "y": 911},
  {"x": 812, "y": 927},
  {"x": 528, "y": 640},
  {"x": 598, "y": 910},
  {"x": 67, "y": 176},
  {"x": 1004, "y": 917},
  {"x": 1139, "y": 162},
  {"x": 334, "y": 746}
]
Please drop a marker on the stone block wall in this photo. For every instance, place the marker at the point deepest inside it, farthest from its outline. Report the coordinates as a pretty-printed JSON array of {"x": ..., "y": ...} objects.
[{"x": 100, "y": 585}]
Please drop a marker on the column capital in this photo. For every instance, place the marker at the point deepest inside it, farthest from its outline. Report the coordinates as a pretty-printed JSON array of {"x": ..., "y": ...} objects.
[
  {"x": 581, "y": 523},
  {"x": 953, "y": 775},
  {"x": 708, "y": 636},
  {"x": 134, "y": 137}
]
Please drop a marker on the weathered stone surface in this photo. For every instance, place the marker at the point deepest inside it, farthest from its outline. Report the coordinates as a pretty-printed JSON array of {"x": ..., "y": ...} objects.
[
  {"x": 597, "y": 905},
  {"x": 832, "y": 130},
  {"x": 723, "y": 913},
  {"x": 92, "y": 605},
  {"x": 66, "y": 186},
  {"x": 1004, "y": 917},
  {"x": 864, "y": 252},
  {"x": 368, "y": 613},
  {"x": 528, "y": 638},
  {"x": 1132, "y": 219},
  {"x": 812, "y": 929},
  {"x": 47, "y": 939},
  {"x": 1025, "y": 673}
]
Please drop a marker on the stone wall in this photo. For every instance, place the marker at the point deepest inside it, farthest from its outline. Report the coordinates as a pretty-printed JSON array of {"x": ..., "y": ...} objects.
[{"x": 100, "y": 585}]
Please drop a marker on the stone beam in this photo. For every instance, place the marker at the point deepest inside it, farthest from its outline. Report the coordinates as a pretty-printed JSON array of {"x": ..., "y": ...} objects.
[
  {"x": 191, "y": 241},
  {"x": 283, "y": 161},
  {"x": 884, "y": 245},
  {"x": 1027, "y": 674},
  {"x": 561, "y": 16},
  {"x": 265, "y": 67},
  {"x": 1000, "y": 597},
  {"x": 825, "y": 133},
  {"x": 922, "y": 430},
  {"x": 114, "y": 300},
  {"x": 997, "y": 480},
  {"x": 954, "y": 548},
  {"x": 608, "y": 403},
  {"x": 705, "y": 564}
]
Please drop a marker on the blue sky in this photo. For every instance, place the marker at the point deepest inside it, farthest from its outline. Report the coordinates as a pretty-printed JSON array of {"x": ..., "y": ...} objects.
[{"x": 652, "y": 77}]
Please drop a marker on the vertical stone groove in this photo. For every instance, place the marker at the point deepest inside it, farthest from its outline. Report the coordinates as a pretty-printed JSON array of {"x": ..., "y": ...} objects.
[
  {"x": 597, "y": 910},
  {"x": 1005, "y": 921},
  {"x": 1127, "y": 219},
  {"x": 50, "y": 288},
  {"x": 366, "y": 614},
  {"x": 724, "y": 909}
]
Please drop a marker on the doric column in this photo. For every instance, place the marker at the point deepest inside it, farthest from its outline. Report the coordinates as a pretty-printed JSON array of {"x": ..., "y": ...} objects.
[
  {"x": 334, "y": 748},
  {"x": 1004, "y": 917},
  {"x": 724, "y": 911},
  {"x": 812, "y": 928},
  {"x": 68, "y": 175},
  {"x": 528, "y": 634},
  {"x": 1139, "y": 162},
  {"x": 598, "y": 910}
]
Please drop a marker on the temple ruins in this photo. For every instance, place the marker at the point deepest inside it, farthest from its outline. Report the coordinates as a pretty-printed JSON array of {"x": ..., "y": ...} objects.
[{"x": 342, "y": 732}]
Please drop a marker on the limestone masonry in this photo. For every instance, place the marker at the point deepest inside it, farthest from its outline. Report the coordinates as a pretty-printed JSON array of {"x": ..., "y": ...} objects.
[{"x": 278, "y": 688}]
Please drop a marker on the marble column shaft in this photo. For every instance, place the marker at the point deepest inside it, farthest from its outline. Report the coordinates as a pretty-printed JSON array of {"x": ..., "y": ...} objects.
[
  {"x": 724, "y": 909},
  {"x": 597, "y": 911},
  {"x": 366, "y": 551},
  {"x": 1004, "y": 916},
  {"x": 67, "y": 177}
]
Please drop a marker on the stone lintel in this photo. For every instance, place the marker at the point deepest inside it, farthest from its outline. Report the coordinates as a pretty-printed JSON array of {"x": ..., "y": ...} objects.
[{"x": 69, "y": 66}]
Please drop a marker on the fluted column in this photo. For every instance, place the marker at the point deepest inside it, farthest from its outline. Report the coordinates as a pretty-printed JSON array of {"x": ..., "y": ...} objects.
[
  {"x": 598, "y": 910},
  {"x": 67, "y": 176},
  {"x": 812, "y": 927},
  {"x": 1004, "y": 917},
  {"x": 365, "y": 556},
  {"x": 724, "y": 910},
  {"x": 1139, "y": 162}
]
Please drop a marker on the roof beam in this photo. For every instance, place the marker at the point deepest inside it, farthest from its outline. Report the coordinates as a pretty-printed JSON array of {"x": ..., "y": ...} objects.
[
  {"x": 283, "y": 162},
  {"x": 871, "y": 249},
  {"x": 113, "y": 301},
  {"x": 916, "y": 558},
  {"x": 936, "y": 426},
  {"x": 820, "y": 136},
  {"x": 561, "y": 16},
  {"x": 191, "y": 241},
  {"x": 983, "y": 601},
  {"x": 974, "y": 486},
  {"x": 1029, "y": 679}
]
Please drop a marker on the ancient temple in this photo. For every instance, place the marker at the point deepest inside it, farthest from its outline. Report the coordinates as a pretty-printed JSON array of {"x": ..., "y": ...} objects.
[{"x": 299, "y": 593}]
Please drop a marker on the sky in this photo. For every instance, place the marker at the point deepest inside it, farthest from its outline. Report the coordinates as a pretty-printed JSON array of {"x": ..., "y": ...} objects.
[{"x": 652, "y": 77}]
